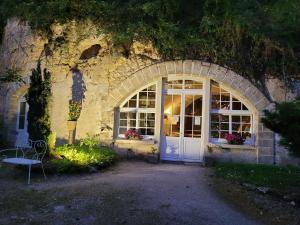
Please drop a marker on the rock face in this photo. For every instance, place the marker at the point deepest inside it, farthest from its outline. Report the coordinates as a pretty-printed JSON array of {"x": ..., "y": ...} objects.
[
  {"x": 73, "y": 48},
  {"x": 86, "y": 66}
]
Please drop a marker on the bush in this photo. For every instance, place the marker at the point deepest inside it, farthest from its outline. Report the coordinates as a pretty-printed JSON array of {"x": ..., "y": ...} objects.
[
  {"x": 285, "y": 120},
  {"x": 74, "y": 158}
]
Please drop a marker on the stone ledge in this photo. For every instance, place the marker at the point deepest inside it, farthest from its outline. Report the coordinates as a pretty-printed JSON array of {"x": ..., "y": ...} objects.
[
  {"x": 228, "y": 146},
  {"x": 133, "y": 141}
]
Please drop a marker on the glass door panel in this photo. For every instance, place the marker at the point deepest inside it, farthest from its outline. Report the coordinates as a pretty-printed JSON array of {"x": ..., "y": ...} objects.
[
  {"x": 172, "y": 108},
  {"x": 192, "y": 116}
]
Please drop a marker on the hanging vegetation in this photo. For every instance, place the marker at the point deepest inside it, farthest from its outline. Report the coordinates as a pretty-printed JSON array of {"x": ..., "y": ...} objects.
[
  {"x": 38, "y": 99},
  {"x": 256, "y": 38}
]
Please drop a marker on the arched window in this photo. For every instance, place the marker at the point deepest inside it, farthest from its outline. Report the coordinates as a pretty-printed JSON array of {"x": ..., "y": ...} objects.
[
  {"x": 228, "y": 115},
  {"x": 139, "y": 112}
]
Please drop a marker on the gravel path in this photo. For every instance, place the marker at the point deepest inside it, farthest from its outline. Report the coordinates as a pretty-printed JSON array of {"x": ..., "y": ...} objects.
[{"x": 130, "y": 193}]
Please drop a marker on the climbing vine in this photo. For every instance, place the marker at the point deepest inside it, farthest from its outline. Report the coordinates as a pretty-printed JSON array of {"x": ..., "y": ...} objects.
[
  {"x": 38, "y": 99},
  {"x": 256, "y": 38}
]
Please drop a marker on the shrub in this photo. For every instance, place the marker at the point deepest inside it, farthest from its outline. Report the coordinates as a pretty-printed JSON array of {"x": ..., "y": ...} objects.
[
  {"x": 285, "y": 120},
  {"x": 74, "y": 110},
  {"x": 75, "y": 158},
  {"x": 89, "y": 142},
  {"x": 38, "y": 98}
]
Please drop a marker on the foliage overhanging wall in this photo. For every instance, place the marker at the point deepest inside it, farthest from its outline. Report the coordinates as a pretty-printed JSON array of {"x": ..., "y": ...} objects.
[{"x": 255, "y": 38}]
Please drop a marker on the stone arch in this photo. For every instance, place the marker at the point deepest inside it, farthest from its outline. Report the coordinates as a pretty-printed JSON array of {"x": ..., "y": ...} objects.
[
  {"x": 235, "y": 82},
  {"x": 190, "y": 67},
  {"x": 17, "y": 92}
]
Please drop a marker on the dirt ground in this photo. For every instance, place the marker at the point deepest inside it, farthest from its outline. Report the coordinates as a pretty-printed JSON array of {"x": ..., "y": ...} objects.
[{"x": 127, "y": 193}]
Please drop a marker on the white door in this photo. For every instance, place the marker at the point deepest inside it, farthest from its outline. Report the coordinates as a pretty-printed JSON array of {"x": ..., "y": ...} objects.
[
  {"x": 181, "y": 136},
  {"x": 22, "y": 134}
]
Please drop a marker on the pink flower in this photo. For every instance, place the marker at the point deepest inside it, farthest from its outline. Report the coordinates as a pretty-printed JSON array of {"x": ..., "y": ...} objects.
[
  {"x": 132, "y": 134},
  {"x": 234, "y": 139}
]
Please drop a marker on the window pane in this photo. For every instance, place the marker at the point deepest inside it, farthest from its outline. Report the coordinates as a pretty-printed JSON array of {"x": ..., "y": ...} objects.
[
  {"x": 236, "y": 127},
  {"x": 142, "y": 123},
  {"x": 132, "y": 115},
  {"x": 132, "y": 123},
  {"x": 236, "y": 105},
  {"x": 224, "y": 126},
  {"x": 236, "y": 119},
  {"x": 151, "y": 95},
  {"x": 246, "y": 119},
  {"x": 150, "y": 131},
  {"x": 176, "y": 104},
  {"x": 224, "y": 118},
  {"x": 132, "y": 103},
  {"x": 214, "y": 117},
  {"x": 225, "y": 105},
  {"x": 123, "y": 123},
  {"x": 215, "y": 134},
  {"x": 143, "y": 95},
  {"x": 191, "y": 84},
  {"x": 143, "y": 103},
  {"x": 244, "y": 107},
  {"x": 223, "y": 134},
  {"x": 151, "y": 104},
  {"x": 22, "y": 108},
  {"x": 122, "y": 130},
  {"x": 225, "y": 97},
  {"x": 123, "y": 115},
  {"x": 152, "y": 88},
  {"x": 151, "y": 116},
  {"x": 215, "y": 126},
  {"x": 21, "y": 122}
]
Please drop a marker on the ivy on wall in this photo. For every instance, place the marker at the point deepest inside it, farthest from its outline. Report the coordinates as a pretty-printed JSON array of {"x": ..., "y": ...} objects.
[
  {"x": 256, "y": 38},
  {"x": 38, "y": 99}
]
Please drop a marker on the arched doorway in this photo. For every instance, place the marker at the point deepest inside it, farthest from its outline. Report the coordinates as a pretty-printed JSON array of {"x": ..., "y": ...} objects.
[{"x": 22, "y": 135}]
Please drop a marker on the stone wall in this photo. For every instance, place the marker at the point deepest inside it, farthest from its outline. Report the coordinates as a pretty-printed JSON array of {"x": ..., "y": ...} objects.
[{"x": 109, "y": 74}]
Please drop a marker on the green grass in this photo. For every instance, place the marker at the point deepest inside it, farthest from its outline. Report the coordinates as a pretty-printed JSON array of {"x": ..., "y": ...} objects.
[
  {"x": 260, "y": 175},
  {"x": 75, "y": 158}
]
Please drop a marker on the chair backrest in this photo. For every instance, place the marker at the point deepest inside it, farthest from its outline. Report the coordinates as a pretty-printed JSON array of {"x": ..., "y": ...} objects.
[{"x": 39, "y": 149}]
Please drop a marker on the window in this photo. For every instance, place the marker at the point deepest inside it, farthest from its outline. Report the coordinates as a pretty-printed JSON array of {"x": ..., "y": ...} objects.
[
  {"x": 183, "y": 84},
  {"x": 22, "y": 115},
  {"x": 228, "y": 115},
  {"x": 139, "y": 112}
]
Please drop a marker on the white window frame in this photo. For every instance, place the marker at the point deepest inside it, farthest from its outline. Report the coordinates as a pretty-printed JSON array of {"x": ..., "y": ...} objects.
[
  {"x": 138, "y": 110},
  {"x": 230, "y": 112}
]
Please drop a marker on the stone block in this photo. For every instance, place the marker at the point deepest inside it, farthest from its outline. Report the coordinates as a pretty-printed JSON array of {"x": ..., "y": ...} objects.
[
  {"x": 187, "y": 66},
  {"x": 162, "y": 69},
  {"x": 170, "y": 66},
  {"x": 179, "y": 67}
]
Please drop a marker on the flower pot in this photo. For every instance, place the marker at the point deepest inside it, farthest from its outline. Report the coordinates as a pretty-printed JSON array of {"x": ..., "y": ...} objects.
[
  {"x": 71, "y": 125},
  {"x": 72, "y": 131}
]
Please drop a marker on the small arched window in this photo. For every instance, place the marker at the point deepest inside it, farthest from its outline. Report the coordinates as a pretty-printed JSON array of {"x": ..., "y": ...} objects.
[
  {"x": 228, "y": 115},
  {"x": 138, "y": 112}
]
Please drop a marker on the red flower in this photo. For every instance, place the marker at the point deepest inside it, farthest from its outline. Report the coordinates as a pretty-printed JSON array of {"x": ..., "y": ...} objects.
[
  {"x": 132, "y": 134},
  {"x": 234, "y": 139}
]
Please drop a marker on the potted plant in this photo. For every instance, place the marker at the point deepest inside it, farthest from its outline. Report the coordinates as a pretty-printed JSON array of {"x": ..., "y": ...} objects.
[
  {"x": 153, "y": 155},
  {"x": 74, "y": 113},
  {"x": 234, "y": 139}
]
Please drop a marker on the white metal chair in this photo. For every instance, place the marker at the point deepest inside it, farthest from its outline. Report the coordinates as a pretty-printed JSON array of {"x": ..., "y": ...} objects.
[{"x": 33, "y": 155}]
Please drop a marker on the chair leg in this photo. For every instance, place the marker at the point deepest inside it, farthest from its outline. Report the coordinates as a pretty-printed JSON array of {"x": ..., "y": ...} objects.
[
  {"x": 29, "y": 171},
  {"x": 44, "y": 171}
]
